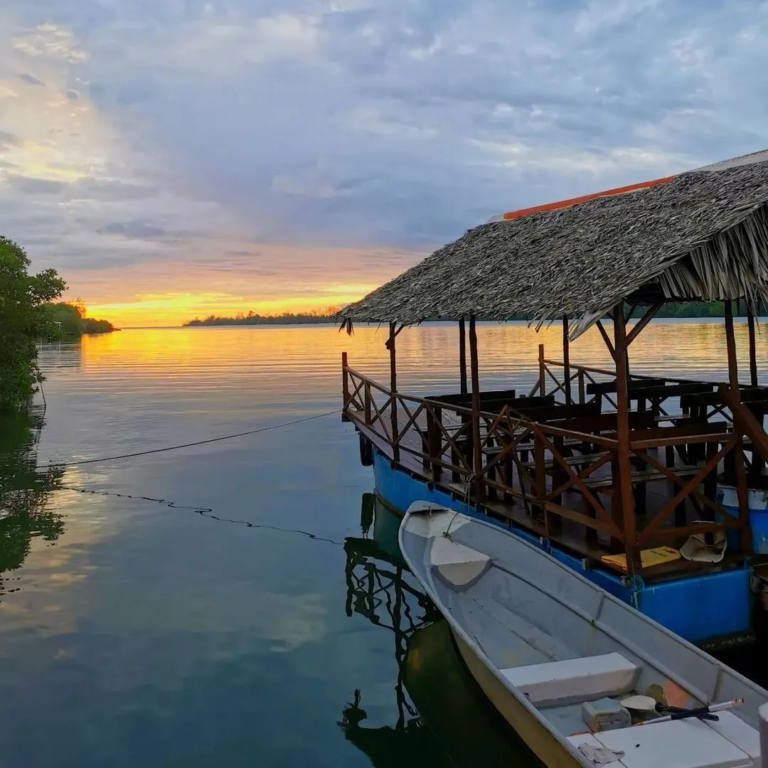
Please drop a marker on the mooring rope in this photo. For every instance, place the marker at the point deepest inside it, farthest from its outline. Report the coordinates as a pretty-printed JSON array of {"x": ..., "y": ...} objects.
[
  {"x": 199, "y": 510},
  {"x": 192, "y": 445}
]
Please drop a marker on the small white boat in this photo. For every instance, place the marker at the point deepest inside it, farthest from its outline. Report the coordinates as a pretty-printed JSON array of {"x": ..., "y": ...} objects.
[{"x": 557, "y": 655}]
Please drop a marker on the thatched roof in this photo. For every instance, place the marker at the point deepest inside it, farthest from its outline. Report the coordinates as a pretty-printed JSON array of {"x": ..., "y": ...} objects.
[{"x": 702, "y": 235}]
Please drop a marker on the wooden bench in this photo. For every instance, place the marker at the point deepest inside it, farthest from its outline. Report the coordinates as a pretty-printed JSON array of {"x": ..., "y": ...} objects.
[
  {"x": 605, "y": 484},
  {"x": 464, "y": 399},
  {"x": 634, "y": 385},
  {"x": 575, "y": 460}
]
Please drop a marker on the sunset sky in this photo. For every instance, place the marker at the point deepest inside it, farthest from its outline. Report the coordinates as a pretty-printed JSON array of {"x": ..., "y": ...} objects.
[{"x": 174, "y": 158}]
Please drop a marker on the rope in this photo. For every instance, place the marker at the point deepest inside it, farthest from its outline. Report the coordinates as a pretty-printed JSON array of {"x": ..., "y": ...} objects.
[
  {"x": 202, "y": 511},
  {"x": 192, "y": 445}
]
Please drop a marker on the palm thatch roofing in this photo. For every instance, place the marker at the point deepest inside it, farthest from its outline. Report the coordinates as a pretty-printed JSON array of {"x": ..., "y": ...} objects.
[{"x": 702, "y": 235}]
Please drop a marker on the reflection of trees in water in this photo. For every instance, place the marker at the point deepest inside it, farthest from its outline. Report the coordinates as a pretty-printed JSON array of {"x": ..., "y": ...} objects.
[
  {"x": 378, "y": 589},
  {"x": 24, "y": 491}
]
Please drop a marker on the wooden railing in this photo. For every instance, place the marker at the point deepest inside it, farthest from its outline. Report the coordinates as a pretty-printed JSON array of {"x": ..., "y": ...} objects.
[{"x": 543, "y": 474}]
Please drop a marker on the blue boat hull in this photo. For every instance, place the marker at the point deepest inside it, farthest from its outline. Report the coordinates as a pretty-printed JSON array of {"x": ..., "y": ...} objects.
[{"x": 714, "y": 610}]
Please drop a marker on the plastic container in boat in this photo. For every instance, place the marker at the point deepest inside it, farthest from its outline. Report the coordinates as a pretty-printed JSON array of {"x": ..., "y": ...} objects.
[{"x": 758, "y": 515}]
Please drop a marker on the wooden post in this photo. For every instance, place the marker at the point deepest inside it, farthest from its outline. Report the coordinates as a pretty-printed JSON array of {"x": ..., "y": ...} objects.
[
  {"x": 542, "y": 372},
  {"x": 626, "y": 499},
  {"x": 393, "y": 388},
  {"x": 434, "y": 441},
  {"x": 344, "y": 386},
  {"x": 730, "y": 341},
  {"x": 758, "y": 463},
  {"x": 553, "y": 522},
  {"x": 475, "y": 372},
  {"x": 742, "y": 491},
  {"x": 566, "y": 361},
  {"x": 462, "y": 357},
  {"x": 752, "y": 349}
]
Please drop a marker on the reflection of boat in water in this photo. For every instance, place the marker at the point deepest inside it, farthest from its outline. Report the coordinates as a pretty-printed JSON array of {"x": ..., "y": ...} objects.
[
  {"x": 454, "y": 708},
  {"x": 555, "y": 654},
  {"x": 442, "y": 717}
]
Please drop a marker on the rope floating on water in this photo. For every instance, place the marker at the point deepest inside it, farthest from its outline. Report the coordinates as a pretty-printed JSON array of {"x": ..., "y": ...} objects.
[
  {"x": 199, "y": 510},
  {"x": 198, "y": 442}
]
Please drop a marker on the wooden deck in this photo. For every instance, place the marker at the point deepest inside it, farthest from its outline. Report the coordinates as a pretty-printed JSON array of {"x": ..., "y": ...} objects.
[{"x": 557, "y": 476}]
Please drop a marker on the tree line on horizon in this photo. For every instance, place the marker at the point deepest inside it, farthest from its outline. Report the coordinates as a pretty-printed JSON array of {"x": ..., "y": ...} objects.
[
  {"x": 72, "y": 323},
  {"x": 676, "y": 309},
  {"x": 252, "y": 318}
]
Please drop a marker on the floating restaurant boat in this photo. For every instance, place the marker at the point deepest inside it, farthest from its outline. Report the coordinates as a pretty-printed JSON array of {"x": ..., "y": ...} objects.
[
  {"x": 570, "y": 667},
  {"x": 651, "y": 487}
]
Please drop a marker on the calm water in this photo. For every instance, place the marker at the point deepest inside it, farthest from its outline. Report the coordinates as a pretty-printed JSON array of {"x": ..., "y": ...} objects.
[{"x": 208, "y": 628}]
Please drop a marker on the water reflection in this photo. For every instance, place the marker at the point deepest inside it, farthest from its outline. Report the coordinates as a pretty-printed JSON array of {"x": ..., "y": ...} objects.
[
  {"x": 151, "y": 636},
  {"x": 25, "y": 491},
  {"x": 442, "y": 716}
]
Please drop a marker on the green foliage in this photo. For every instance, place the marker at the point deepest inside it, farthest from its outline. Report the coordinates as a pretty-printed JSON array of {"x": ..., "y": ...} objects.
[
  {"x": 288, "y": 318},
  {"x": 71, "y": 322},
  {"x": 685, "y": 309},
  {"x": 66, "y": 319},
  {"x": 688, "y": 309},
  {"x": 23, "y": 320},
  {"x": 97, "y": 326}
]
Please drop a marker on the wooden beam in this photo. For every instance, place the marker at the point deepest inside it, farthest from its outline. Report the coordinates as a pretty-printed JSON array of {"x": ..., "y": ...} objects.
[
  {"x": 393, "y": 387},
  {"x": 344, "y": 384},
  {"x": 462, "y": 357},
  {"x": 745, "y": 420},
  {"x": 730, "y": 341},
  {"x": 542, "y": 372},
  {"x": 392, "y": 358},
  {"x": 606, "y": 339},
  {"x": 566, "y": 361},
  {"x": 752, "y": 348},
  {"x": 392, "y": 336},
  {"x": 475, "y": 375},
  {"x": 742, "y": 491},
  {"x": 643, "y": 321},
  {"x": 626, "y": 498}
]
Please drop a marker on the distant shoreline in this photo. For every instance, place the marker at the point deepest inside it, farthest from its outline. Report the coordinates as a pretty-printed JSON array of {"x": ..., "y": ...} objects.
[
  {"x": 657, "y": 320},
  {"x": 685, "y": 310}
]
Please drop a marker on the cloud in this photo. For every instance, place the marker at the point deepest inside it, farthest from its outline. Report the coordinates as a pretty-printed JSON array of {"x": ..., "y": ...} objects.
[
  {"x": 31, "y": 79},
  {"x": 32, "y": 186},
  {"x": 139, "y": 230},
  {"x": 110, "y": 190},
  {"x": 50, "y": 41},
  {"x": 8, "y": 139},
  {"x": 342, "y": 139}
]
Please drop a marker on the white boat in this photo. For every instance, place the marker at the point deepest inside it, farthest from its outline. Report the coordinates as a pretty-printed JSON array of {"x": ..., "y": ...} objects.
[{"x": 550, "y": 649}]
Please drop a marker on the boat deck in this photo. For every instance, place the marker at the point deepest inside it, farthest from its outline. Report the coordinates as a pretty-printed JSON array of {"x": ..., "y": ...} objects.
[
  {"x": 554, "y": 469},
  {"x": 572, "y": 535}
]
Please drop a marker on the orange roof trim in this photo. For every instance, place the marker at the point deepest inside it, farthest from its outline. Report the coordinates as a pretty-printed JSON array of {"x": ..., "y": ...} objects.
[{"x": 585, "y": 198}]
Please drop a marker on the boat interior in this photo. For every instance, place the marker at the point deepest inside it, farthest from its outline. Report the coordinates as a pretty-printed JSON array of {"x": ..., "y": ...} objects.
[{"x": 575, "y": 653}]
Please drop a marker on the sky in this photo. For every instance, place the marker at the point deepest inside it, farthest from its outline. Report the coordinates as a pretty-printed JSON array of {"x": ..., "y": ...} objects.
[{"x": 177, "y": 158}]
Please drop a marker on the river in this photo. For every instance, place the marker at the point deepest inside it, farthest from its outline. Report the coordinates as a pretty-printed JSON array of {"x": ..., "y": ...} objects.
[{"x": 240, "y": 602}]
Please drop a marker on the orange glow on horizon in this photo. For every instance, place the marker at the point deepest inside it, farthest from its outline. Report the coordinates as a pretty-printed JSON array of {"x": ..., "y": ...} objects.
[
  {"x": 174, "y": 309},
  {"x": 229, "y": 277}
]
